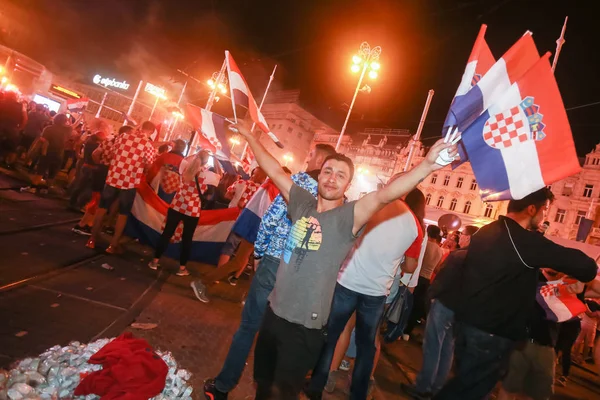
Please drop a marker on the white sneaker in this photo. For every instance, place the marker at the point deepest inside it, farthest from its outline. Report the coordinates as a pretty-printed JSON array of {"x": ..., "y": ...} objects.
[
  {"x": 153, "y": 265},
  {"x": 406, "y": 337},
  {"x": 345, "y": 365}
]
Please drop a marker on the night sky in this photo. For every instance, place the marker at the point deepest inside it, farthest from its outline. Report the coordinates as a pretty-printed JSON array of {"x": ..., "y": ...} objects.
[{"x": 425, "y": 44}]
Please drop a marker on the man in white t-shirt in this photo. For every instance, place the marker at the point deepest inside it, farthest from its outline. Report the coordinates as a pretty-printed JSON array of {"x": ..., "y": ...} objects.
[{"x": 363, "y": 283}]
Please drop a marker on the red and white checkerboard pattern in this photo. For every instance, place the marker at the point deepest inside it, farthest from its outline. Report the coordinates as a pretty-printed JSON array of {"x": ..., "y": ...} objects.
[
  {"x": 130, "y": 154},
  {"x": 506, "y": 129},
  {"x": 178, "y": 231},
  {"x": 187, "y": 200},
  {"x": 251, "y": 188},
  {"x": 170, "y": 181},
  {"x": 549, "y": 290}
]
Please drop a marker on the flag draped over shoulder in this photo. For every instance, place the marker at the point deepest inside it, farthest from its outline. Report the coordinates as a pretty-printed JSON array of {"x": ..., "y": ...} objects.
[
  {"x": 149, "y": 213},
  {"x": 212, "y": 130},
  {"x": 241, "y": 95},
  {"x": 522, "y": 142}
]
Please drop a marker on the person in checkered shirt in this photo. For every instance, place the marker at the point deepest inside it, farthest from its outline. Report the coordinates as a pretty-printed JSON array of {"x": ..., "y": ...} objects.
[
  {"x": 241, "y": 191},
  {"x": 130, "y": 154},
  {"x": 185, "y": 208}
]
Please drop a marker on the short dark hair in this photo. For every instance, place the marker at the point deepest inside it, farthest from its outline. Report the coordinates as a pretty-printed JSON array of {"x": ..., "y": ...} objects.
[
  {"x": 470, "y": 230},
  {"x": 415, "y": 200},
  {"x": 163, "y": 148},
  {"x": 148, "y": 126},
  {"x": 61, "y": 119},
  {"x": 434, "y": 232},
  {"x": 342, "y": 158},
  {"x": 125, "y": 129},
  {"x": 537, "y": 199},
  {"x": 325, "y": 148}
]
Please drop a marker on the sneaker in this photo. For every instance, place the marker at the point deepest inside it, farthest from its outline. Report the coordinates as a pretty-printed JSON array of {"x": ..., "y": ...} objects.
[
  {"x": 200, "y": 291},
  {"x": 561, "y": 381},
  {"x": 345, "y": 365},
  {"x": 211, "y": 392},
  {"x": 114, "y": 250},
  {"x": 183, "y": 272},
  {"x": 412, "y": 391},
  {"x": 153, "y": 265},
  {"x": 232, "y": 280},
  {"x": 91, "y": 244},
  {"x": 405, "y": 337},
  {"x": 82, "y": 230},
  {"x": 331, "y": 380}
]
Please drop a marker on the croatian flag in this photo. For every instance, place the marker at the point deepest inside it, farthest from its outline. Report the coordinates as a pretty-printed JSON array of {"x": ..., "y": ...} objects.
[
  {"x": 498, "y": 79},
  {"x": 241, "y": 95},
  {"x": 248, "y": 222},
  {"x": 212, "y": 129},
  {"x": 77, "y": 105},
  {"x": 148, "y": 216},
  {"x": 523, "y": 141},
  {"x": 558, "y": 303}
]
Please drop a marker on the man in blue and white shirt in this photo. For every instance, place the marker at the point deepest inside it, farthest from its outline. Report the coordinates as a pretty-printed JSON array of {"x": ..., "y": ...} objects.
[{"x": 270, "y": 241}]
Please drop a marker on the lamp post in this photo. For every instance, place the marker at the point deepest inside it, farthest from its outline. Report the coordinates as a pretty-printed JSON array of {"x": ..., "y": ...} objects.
[
  {"x": 234, "y": 141},
  {"x": 218, "y": 84},
  {"x": 368, "y": 58}
]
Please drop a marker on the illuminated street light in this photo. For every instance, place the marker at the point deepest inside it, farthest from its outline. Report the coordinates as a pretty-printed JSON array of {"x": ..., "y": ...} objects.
[
  {"x": 288, "y": 158},
  {"x": 369, "y": 58},
  {"x": 177, "y": 114},
  {"x": 218, "y": 82},
  {"x": 234, "y": 141},
  {"x": 4, "y": 80}
]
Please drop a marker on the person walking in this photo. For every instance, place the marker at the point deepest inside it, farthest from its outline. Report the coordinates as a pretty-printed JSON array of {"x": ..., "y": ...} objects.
[{"x": 185, "y": 207}]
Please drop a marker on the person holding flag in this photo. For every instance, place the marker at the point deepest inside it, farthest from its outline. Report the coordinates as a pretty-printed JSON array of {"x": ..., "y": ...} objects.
[{"x": 324, "y": 230}]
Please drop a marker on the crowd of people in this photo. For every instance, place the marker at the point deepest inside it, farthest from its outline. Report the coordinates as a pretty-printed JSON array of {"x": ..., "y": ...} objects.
[{"x": 332, "y": 277}]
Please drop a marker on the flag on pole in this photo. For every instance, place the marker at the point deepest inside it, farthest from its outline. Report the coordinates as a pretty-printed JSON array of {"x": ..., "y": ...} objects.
[
  {"x": 212, "y": 130},
  {"x": 241, "y": 95},
  {"x": 523, "y": 141},
  {"x": 498, "y": 79},
  {"x": 77, "y": 105}
]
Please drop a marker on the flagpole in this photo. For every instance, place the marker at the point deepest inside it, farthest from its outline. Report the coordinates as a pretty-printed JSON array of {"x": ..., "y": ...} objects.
[
  {"x": 260, "y": 107},
  {"x": 559, "y": 44},
  {"x": 213, "y": 93},
  {"x": 135, "y": 96},
  {"x": 419, "y": 130},
  {"x": 101, "y": 105}
]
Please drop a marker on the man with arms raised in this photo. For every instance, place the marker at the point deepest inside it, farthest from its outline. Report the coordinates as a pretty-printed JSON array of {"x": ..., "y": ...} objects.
[{"x": 324, "y": 230}]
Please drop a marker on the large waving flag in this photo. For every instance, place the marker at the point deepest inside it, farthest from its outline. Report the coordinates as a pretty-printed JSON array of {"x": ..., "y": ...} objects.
[
  {"x": 212, "y": 129},
  {"x": 241, "y": 95},
  {"x": 513, "y": 64},
  {"x": 148, "y": 216},
  {"x": 523, "y": 141},
  {"x": 248, "y": 222},
  {"x": 557, "y": 302}
]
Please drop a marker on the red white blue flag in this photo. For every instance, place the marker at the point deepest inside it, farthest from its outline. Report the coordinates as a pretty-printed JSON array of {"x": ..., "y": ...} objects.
[
  {"x": 248, "y": 222},
  {"x": 241, "y": 95},
  {"x": 522, "y": 142},
  {"x": 212, "y": 130},
  {"x": 558, "y": 303}
]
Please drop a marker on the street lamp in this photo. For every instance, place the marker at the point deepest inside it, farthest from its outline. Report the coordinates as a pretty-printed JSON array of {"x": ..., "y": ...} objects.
[
  {"x": 218, "y": 83},
  {"x": 287, "y": 158},
  {"x": 367, "y": 58},
  {"x": 234, "y": 141}
]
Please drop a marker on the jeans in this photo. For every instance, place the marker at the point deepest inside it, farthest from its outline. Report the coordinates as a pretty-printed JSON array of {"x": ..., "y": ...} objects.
[
  {"x": 419, "y": 303},
  {"x": 438, "y": 349},
  {"x": 369, "y": 310},
  {"x": 481, "y": 361},
  {"x": 189, "y": 227},
  {"x": 252, "y": 315}
]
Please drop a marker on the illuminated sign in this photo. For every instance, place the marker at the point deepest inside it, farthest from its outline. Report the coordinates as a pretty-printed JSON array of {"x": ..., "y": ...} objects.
[
  {"x": 156, "y": 91},
  {"x": 64, "y": 92},
  {"x": 110, "y": 82}
]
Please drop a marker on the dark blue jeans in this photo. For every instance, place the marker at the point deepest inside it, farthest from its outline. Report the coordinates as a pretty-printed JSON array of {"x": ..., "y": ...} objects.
[
  {"x": 369, "y": 310},
  {"x": 438, "y": 348},
  {"x": 252, "y": 315},
  {"x": 481, "y": 361}
]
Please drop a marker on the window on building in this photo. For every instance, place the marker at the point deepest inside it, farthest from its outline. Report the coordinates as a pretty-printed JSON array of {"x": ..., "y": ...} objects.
[
  {"x": 467, "y": 208},
  {"x": 459, "y": 182},
  {"x": 473, "y": 184},
  {"x": 290, "y": 129},
  {"x": 568, "y": 189},
  {"x": 433, "y": 179},
  {"x": 560, "y": 216},
  {"x": 580, "y": 217},
  {"x": 446, "y": 180},
  {"x": 299, "y": 135},
  {"x": 440, "y": 202},
  {"x": 280, "y": 126},
  {"x": 489, "y": 210},
  {"x": 428, "y": 199},
  {"x": 587, "y": 191},
  {"x": 453, "y": 204}
]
